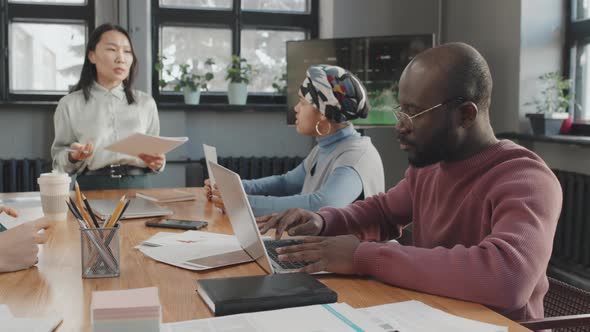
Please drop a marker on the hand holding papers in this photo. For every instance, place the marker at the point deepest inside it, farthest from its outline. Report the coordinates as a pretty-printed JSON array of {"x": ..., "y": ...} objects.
[{"x": 137, "y": 144}]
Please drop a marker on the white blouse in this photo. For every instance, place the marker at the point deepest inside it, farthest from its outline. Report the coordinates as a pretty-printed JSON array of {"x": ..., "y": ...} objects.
[{"x": 103, "y": 119}]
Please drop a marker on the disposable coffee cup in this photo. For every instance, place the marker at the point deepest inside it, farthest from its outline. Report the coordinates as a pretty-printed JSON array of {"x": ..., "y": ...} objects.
[{"x": 55, "y": 190}]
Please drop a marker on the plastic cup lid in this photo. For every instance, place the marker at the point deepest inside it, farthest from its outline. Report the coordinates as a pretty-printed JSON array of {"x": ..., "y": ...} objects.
[{"x": 53, "y": 178}]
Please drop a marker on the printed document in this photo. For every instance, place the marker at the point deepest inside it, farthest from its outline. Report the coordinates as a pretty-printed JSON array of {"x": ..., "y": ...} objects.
[
  {"x": 337, "y": 317},
  {"x": 416, "y": 316}
]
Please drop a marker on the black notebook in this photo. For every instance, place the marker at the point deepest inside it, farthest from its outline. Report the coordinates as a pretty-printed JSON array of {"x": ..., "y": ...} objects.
[{"x": 228, "y": 296}]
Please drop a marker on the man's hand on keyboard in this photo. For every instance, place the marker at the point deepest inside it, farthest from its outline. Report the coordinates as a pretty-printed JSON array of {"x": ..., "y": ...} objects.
[
  {"x": 294, "y": 221},
  {"x": 331, "y": 254}
]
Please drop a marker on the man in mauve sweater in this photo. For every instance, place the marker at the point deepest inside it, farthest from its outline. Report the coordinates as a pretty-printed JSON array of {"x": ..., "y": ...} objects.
[{"x": 484, "y": 211}]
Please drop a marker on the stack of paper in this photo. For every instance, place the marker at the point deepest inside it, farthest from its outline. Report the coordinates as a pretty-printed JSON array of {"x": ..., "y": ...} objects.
[
  {"x": 10, "y": 323},
  {"x": 126, "y": 310}
]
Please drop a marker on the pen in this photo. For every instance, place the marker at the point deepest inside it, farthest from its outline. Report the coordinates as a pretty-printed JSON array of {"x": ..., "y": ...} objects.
[
  {"x": 80, "y": 207},
  {"x": 77, "y": 213},
  {"x": 87, "y": 204},
  {"x": 74, "y": 150},
  {"x": 71, "y": 209}
]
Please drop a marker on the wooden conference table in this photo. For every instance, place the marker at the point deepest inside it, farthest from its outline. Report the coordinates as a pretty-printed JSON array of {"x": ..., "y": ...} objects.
[{"x": 56, "y": 285}]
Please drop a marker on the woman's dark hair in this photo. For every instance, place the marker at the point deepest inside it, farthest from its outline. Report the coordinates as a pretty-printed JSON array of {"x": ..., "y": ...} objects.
[{"x": 88, "y": 74}]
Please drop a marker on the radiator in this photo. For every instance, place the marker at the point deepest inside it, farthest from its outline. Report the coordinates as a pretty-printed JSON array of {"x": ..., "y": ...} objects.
[
  {"x": 571, "y": 246},
  {"x": 256, "y": 167},
  {"x": 570, "y": 260},
  {"x": 21, "y": 175}
]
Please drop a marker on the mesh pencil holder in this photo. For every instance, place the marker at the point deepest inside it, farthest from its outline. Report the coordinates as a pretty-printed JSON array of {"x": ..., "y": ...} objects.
[{"x": 100, "y": 252}]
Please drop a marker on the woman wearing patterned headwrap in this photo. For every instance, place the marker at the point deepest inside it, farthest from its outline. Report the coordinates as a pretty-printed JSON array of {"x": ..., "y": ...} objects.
[{"x": 341, "y": 168}]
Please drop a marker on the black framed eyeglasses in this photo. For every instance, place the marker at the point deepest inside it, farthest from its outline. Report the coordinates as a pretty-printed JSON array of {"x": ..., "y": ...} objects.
[{"x": 403, "y": 119}]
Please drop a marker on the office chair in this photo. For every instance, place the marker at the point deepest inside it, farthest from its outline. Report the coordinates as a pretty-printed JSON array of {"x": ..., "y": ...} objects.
[{"x": 567, "y": 309}]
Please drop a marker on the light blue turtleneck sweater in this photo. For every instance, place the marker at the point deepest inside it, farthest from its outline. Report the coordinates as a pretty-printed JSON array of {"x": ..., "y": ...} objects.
[{"x": 280, "y": 192}]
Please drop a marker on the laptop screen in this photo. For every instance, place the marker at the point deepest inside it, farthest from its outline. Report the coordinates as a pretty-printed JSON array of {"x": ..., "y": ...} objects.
[{"x": 240, "y": 215}]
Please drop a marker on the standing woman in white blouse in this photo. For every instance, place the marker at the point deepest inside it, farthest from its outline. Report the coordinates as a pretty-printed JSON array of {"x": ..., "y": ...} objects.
[{"x": 102, "y": 109}]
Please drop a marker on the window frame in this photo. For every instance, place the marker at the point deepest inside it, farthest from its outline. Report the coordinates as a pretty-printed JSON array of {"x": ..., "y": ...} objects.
[
  {"x": 235, "y": 19},
  {"x": 36, "y": 13},
  {"x": 577, "y": 34}
]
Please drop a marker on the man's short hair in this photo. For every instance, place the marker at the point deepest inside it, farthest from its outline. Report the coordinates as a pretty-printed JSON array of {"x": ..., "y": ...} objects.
[{"x": 469, "y": 75}]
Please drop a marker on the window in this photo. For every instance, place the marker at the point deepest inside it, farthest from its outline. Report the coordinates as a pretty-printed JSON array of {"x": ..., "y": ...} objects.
[
  {"x": 191, "y": 31},
  {"x": 578, "y": 61},
  {"x": 44, "y": 43}
]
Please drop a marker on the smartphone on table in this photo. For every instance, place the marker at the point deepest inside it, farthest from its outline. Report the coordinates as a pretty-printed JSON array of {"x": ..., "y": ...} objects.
[{"x": 177, "y": 223}]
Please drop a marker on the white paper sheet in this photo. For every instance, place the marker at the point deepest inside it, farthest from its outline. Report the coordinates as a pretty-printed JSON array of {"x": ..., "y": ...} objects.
[
  {"x": 416, "y": 316},
  {"x": 9, "y": 323},
  {"x": 338, "y": 317},
  {"x": 5, "y": 312},
  {"x": 137, "y": 143},
  {"x": 186, "y": 238},
  {"x": 208, "y": 244},
  {"x": 211, "y": 156},
  {"x": 30, "y": 324},
  {"x": 24, "y": 215}
]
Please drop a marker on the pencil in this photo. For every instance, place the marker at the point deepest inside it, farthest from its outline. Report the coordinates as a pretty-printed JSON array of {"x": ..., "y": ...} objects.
[
  {"x": 116, "y": 212},
  {"x": 78, "y": 193},
  {"x": 123, "y": 211},
  {"x": 120, "y": 214}
]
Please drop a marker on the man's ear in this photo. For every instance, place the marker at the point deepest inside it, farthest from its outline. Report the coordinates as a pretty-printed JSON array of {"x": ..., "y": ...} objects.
[{"x": 468, "y": 112}]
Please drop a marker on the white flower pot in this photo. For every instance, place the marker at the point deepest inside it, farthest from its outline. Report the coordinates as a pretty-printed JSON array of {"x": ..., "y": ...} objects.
[
  {"x": 237, "y": 93},
  {"x": 191, "y": 97}
]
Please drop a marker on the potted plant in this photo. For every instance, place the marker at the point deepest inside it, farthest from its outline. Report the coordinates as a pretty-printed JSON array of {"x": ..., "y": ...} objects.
[
  {"x": 186, "y": 80},
  {"x": 552, "y": 105},
  {"x": 280, "y": 84},
  {"x": 239, "y": 73}
]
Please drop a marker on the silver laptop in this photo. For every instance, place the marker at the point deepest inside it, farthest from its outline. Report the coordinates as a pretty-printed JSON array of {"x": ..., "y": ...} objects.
[
  {"x": 138, "y": 208},
  {"x": 244, "y": 225}
]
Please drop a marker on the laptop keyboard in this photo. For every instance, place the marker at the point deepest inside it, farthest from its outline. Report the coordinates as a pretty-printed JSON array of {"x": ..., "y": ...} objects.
[{"x": 271, "y": 249}]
